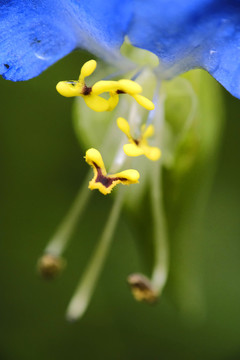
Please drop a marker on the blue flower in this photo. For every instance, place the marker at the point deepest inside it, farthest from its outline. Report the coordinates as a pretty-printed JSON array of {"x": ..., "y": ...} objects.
[{"x": 185, "y": 34}]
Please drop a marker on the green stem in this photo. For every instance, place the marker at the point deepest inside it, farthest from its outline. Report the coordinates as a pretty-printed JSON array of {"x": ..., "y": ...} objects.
[
  {"x": 85, "y": 288},
  {"x": 60, "y": 239}
]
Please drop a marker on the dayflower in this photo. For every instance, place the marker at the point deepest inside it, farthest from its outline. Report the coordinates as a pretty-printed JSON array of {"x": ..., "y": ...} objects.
[
  {"x": 183, "y": 34},
  {"x": 104, "y": 182},
  {"x": 140, "y": 145}
]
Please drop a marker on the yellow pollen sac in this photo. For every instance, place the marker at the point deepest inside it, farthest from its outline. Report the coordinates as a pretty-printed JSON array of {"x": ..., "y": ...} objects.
[
  {"x": 133, "y": 89},
  {"x": 91, "y": 95},
  {"x": 87, "y": 69},
  {"x": 139, "y": 146},
  {"x": 144, "y": 102},
  {"x": 69, "y": 88},
  {"x": 130, "y": 87},
  {"x": 104, "y": 182},
  {"x": 105, "y": 86}
]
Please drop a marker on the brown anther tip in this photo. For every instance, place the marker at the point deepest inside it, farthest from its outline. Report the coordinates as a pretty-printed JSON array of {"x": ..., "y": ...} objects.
[
  {"x": 50, "y": 266},
  {"x": 141, "y": 288}
]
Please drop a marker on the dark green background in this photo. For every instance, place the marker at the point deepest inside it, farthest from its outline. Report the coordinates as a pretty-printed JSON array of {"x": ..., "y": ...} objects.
[{"x": 41, "y": 168}]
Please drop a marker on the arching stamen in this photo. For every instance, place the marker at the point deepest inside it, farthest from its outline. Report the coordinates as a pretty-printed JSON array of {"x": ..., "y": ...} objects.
[
  {"x": 161, "y": 249},
  {"x": 58, "y": 243},
  {"x": 85, "y": 288},
  {"x": 51, "y": 263},
  {"x": 161, "y": 265},
  {"x": 150, "y": 289}
]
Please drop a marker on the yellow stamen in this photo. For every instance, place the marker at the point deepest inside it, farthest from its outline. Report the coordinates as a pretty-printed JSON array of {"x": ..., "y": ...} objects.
[
  {"x": 139, "y": 146},
  {"x": 91, "y": 95},
  {"x": 104, "y": 182}
]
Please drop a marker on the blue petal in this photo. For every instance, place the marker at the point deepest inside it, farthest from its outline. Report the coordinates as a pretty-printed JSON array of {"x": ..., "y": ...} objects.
[
  {"x": 184, "y": 34},
  {"x": 191, "y": 33},
  {"x": 36, "y": 33}
]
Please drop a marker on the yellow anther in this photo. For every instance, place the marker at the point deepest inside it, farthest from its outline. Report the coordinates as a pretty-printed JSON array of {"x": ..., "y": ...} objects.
[
  {"x": 91, "y": 95},
  {"x": 139, "y": 146},
  {"x": 104, "y": 182},
  {"x": 78, "y": 88},
  {"x": 144, "y": 102},
  {"x": 147, "y": 132},
  {"x": 87, "y": 69},
  {"x": 92, "y": 157},
  {"x": 124, "y": 126},
  {"x": 97, "y": 103},
  {"x": 130, "y": 87},
  {"x": 105, "y": 86},
  {"x": 113, "y": 101}
]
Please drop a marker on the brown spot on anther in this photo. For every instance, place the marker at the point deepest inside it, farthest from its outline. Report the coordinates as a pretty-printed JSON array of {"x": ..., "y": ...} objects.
[
  {"x": 120, "y": 92},
  {"x": 86, "y": 90},
  {"x": 136, "y": 141},
  {"x": 105, "y": 180},
  {"x": 6, "y": 66}
]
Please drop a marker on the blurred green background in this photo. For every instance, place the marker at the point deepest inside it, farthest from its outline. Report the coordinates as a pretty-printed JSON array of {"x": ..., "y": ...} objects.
[{"x": 41, "y": 168}]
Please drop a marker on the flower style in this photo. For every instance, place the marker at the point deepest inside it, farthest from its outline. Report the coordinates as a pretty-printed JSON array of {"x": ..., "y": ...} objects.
[
  {"x": 91, "y": 94},
  {"x": 104, "y": 182},
  {"x": 139, "y": 146}
]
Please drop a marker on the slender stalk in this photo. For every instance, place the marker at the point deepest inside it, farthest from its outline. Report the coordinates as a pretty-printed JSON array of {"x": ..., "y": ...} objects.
[
  {"x": 161, "y": 250},
  {"x": 160, "y": 268},
  {"x": 60, "y": 239},
  {"x": 85, "y": 288}
]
